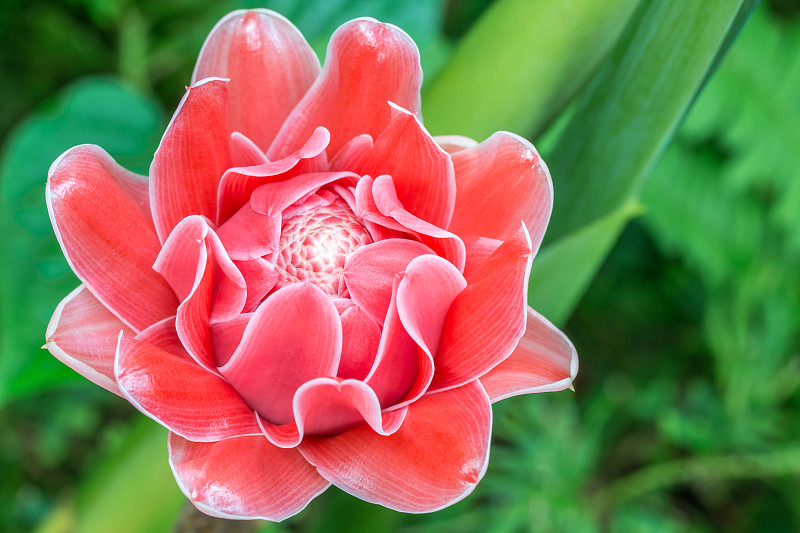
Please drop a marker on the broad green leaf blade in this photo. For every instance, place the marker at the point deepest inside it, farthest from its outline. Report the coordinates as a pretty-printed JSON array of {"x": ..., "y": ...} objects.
[
  {"x": 130, "y": 491},
  {"x": 33, "y": 273},
  {"x": 520, "y": 64},
  {"x": 560, "y": 272},
  {"x": 633, "y": 106}
]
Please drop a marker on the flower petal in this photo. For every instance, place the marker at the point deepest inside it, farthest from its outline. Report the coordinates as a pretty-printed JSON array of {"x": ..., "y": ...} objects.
[
  {"x": 487, "y": 319},
  {"x": 244, "y": 478},
  {"x": 107, "y": 235},
  {"x": 454, "y": 143},
  {"x": 361, "y": 336},
  {"x": 500, "y": 182},
  {"x": 272, "y": 198},
  {"x": 237, "y": 184},
  {"x": 428, "y": 288},
  {"x": 244, "y": 152},
  {"x": 544, "y": 361},
  {"x": 295, "y": 335},
  {"x": 421, "y": 171},
  {"x": 192, "y": 156},
  {"x": 83, "y": 335},
  {"x": 434, "y": 460},
  {"x": 209, "y": 285},
  {"x": 401, "y": 372},
  {"x": 369, "y": 272},
  {"x": 181, "y": 395},
  {"x": 269, "y": 63},
  {"x": 368, "y": 63},
  {"x": 445, "y": 243},
  {"x": 329, "y": 406}
]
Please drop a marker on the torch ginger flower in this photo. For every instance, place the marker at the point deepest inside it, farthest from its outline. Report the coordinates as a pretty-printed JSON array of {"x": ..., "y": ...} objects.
[{"x": 309, "y": 289}]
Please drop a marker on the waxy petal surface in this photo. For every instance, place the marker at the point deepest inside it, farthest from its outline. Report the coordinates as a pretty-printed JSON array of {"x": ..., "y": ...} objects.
[
  {"x": 361, "y": 336},
  {"x": 434, "y": 460},
  {"x": 422, "y": 172},
  {"x": 83, "y": 335},
  {"x": 401, "y": 372},
  {"x": 488, "y": 318},
  {"x": 368, "y": 64},
  {"x": 293, "y": 337},
  {"x": 269, "y": 63},
  {"x": 181, "y": 395},
  {"x": 329, "y": 406},
  {"x": 192, "y": 156},
  {"x": 244, "y": 478},
  {"x": 544, "y": 361},
  {"x": 500, "y": 182},
  {"x": 369, "y": 272},
  {"x": 107, "y": 235},
  {"x": 209, "y": 285},
  {"x": 238, "y": 183}
]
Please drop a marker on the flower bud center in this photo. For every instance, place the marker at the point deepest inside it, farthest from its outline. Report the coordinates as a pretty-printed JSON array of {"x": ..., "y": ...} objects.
[{"x": 314, "y": 243}]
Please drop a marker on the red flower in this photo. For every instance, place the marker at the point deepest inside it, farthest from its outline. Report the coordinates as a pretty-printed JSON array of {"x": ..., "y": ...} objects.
[{"x": 309, "y": 289}]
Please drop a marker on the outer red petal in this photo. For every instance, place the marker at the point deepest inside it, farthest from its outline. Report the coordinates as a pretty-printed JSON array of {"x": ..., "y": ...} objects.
[
  {"x": 107, "y": 236},
  {"x": 269, "y": 63},
  {"x": 368, "y": 64},
  {"x": 422, "y": 172},
  {"x": 500, "y": 182},
  {"x": 294, "y": 336},
  {"x": 328, "y": 406},
  {"x": 244, "y": 478},
  {"x": 181, "y": 395},
  {"x": 361, "y": 337},
  {"x": 487, "y": 319},
  {"x": 434, "y": 460},
  {"x": 192, "y": 156},
  {"x": 83, "y": 335},
  {"x": 544, "y": 361}
]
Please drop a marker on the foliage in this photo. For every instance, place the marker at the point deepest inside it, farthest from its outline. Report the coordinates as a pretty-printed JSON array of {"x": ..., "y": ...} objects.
[{"x": 684, "y": 419}]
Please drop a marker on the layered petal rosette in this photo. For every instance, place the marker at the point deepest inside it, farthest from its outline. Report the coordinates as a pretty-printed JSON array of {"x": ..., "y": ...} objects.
[{"x": 309, "y": 289}]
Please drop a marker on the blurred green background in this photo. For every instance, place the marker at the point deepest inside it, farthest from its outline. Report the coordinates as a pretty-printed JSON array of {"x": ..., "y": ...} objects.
[{"x": 672, "y": 260}]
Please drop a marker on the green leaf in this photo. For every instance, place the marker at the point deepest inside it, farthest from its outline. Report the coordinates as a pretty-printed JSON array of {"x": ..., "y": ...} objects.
[
  {"x": 520, "y": 64},
  {"x": 34, "y": 275},
  {"x": 560, "y": 275},
  {"x": 633, "y": 106}
]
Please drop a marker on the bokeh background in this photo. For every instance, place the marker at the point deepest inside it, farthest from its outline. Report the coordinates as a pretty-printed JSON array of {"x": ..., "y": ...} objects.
[{"x": 686, "y": 415}]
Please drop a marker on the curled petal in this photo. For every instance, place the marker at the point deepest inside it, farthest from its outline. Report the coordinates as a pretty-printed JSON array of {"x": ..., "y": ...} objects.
[
  {"x": 83, "y": 335},
  {"x": 369, "y": 272},
  {"x": 368, "y": 64},
  {"x": 329, "y": 406},
  {"x": 487, "y": 319},
  {"x": 500, "y": 182},
  {"x": 445, "y": 243},
  {"x": 237, "y": 184},
  {"x": 434, "y": 460},
  {"x": 192, "y": 156},
  {"x": 401, "y": 372},
  {"x": 269, "y": 63},
  {"x": 181, "y": 395},
  {"x": 428, "y": 288},
  {"x": 544, "y": 361},
  {"x": 244, "y": 478},
  {"x": 209, "y": 285},
  {"x": 248, "y": 234},
  {"x": 104, "y": 229},
  {"x": 421, "y": 171},
  {"x": 293, "y": 337},
  {"x": 272, "y": 198}
]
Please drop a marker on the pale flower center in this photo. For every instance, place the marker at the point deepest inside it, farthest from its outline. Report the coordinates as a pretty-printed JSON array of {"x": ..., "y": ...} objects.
[{"x": 314, "y": 244}]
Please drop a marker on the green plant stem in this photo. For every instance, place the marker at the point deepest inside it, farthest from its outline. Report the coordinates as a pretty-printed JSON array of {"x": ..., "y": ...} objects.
[{"x": 696, "y": 470}]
